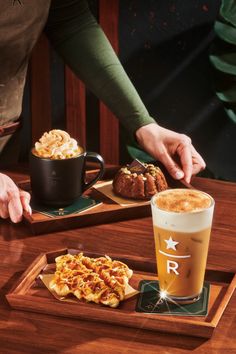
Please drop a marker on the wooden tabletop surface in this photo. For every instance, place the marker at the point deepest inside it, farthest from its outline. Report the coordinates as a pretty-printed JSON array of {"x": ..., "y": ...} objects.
[{"x": 27, "y": 332}]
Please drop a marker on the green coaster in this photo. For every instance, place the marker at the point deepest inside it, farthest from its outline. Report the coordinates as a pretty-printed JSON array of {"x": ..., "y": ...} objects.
[
  {"x": 150, "y": 302},
  {"x": 81, "y": 204}
]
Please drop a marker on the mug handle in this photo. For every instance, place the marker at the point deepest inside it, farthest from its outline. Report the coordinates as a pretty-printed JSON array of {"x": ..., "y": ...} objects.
[{"x": 98, "y": 158}]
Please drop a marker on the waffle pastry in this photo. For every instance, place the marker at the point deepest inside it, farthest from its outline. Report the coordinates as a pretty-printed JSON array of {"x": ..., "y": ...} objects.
[{"x": 100, "y": 280}]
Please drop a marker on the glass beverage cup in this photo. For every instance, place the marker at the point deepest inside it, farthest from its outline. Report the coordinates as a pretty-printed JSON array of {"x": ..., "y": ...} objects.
[{"x": 182, "y": 220}]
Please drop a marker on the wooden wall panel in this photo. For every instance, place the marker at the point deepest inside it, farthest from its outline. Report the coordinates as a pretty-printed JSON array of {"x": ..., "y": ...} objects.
[
  {"x": 75, "y": 99},
  {"x": 75, "y": 94},
  {"x": 109, "y": 125},
  {"x": 40, "y": 89}
]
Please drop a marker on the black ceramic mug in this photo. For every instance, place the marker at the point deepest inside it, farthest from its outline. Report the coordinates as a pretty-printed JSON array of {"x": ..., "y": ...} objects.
[{"x": 61, "y": 182}]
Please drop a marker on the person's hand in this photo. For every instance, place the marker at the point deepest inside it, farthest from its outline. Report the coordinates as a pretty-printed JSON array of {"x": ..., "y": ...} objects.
[
  {"x": 12, "y": 200},
  {"x": 174, "y": 150}
]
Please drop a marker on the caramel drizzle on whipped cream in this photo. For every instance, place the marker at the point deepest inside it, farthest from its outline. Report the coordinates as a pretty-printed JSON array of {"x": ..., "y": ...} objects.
[{"x": 57, "y": 145}]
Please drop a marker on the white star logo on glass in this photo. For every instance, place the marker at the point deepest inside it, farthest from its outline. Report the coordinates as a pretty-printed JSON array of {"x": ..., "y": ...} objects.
[{"x": 170, "y": 244}]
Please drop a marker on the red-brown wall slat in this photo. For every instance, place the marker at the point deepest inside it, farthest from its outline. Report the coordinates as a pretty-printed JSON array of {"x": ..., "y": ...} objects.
[
  {"x": 109, "y": 125},
  {"x": 75, "y": 107},
  {"x": 40, "y": 89}
]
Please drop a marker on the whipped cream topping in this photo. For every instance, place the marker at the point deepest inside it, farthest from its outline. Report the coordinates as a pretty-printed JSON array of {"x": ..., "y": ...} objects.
[{"x": 57, "y": 145}]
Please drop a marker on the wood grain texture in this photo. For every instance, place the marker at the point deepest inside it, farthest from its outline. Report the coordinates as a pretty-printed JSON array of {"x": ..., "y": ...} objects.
[
  {"x": 30, "y": 295},
  {"x": 75, "y": 107},
  {"x": 40, "y": 89},
  {"x": 32, "y": 333},
  {"x": 108, "y": 211},
  {"x": 109, "y": 125}
]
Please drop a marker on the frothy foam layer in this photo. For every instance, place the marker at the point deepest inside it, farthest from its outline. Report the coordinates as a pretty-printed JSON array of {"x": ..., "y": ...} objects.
[
  {"x": 182, "y": 210},
  {"x": 57, "y": 145},
  {"x": 183, "y": 200}
]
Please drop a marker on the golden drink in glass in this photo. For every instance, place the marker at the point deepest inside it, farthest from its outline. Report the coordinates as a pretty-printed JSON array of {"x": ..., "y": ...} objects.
[{"x": 182, "y": 220}]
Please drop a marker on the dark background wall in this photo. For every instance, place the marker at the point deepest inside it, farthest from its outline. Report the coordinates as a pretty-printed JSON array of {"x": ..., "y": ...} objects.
[{"x": 164, "y": 47}]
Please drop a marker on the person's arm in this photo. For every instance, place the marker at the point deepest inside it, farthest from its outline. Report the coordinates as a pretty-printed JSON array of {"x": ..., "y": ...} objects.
[
  {"x": 78, "y": 38},
  {"x": 174, "y": 150},
  {"x": 12, "y": 200}
]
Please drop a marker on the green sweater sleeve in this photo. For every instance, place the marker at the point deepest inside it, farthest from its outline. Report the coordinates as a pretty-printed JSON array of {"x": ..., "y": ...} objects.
[{"x": 78, "y": 38}]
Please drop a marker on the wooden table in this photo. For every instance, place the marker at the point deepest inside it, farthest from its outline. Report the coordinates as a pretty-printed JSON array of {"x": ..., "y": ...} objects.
[{"x": 25, "y": 332}]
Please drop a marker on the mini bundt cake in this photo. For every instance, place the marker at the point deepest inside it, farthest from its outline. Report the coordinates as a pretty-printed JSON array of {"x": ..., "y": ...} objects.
[{"x": 130, "y": 184}]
